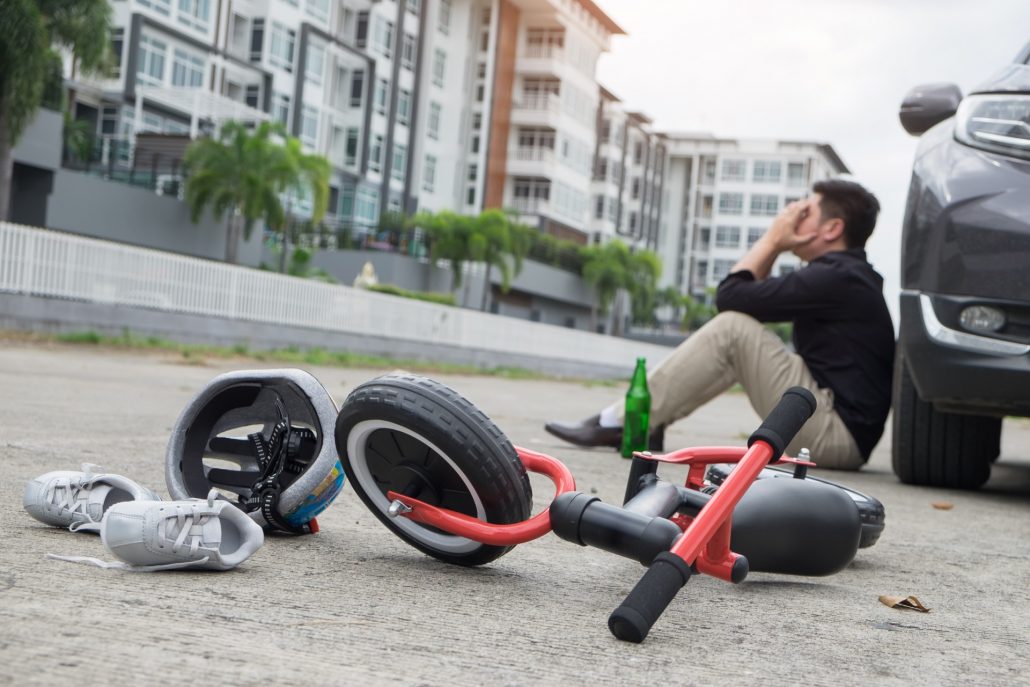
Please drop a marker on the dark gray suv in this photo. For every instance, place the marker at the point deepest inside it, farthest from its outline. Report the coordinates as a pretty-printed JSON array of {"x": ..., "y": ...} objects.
[{"x": 964, "y": 349}]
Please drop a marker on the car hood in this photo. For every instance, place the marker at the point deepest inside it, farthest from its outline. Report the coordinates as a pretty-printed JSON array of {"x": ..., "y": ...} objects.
[{"x": 1014, "y": 78}]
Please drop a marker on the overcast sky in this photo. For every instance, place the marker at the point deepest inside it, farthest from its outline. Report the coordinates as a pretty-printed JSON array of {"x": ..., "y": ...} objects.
[{"x": 832, "y": 71}]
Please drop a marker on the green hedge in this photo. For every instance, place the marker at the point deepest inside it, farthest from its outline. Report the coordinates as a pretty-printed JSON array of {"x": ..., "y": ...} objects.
[{"x": 440, "y": 298}]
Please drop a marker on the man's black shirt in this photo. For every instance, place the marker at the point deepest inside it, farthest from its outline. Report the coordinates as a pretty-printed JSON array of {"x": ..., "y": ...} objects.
[{"x": 842, "y": 330}]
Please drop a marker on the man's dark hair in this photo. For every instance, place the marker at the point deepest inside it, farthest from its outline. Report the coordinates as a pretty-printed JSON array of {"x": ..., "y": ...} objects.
[{"x": 852, "y": 203}]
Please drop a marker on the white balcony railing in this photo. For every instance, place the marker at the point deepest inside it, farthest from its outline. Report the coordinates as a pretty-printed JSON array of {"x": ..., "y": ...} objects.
[
  {"x": 539, "y": 154},
  {"x": 530, "y": 206},
  {"x": 546, "y": 51},
  {"x": 540, "y": 102}
]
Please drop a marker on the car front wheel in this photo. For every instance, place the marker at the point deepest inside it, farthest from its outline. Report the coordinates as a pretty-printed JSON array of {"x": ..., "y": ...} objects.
[{"x": 937, "y": 449}]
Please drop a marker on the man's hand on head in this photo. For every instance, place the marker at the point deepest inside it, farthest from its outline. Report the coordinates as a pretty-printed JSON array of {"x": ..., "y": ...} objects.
[{"x": 786, "y": 232}]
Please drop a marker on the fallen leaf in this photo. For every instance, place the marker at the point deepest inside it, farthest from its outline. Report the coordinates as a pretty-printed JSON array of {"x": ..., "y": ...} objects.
[
  {"x": 910, "y": 603},
  {"x": 943, "y": 505}
]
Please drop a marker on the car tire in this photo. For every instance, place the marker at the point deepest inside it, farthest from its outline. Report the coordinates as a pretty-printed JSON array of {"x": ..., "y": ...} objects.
[{"x": 936, "y": 449}]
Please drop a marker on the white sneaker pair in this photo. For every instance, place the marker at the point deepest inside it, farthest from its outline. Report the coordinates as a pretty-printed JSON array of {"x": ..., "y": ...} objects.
[{"x": 147, "y": 534}]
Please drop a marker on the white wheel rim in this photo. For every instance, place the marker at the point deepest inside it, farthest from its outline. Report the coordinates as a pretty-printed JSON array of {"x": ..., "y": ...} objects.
[{"x": 360, "y": 473}]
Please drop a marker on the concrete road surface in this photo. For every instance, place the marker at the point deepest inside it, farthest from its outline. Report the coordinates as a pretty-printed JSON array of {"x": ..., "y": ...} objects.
[{"x": 354, "y": 605}]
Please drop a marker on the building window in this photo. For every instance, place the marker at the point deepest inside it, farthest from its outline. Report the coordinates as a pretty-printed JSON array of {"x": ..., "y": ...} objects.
[
  {"x": 357, "y": 87},
  {"x": 309, "y": 126},
  {"x": 252, "y": 96},
  {"x": 404, "y": 107},
  {"x": 433, "y": 125},
  {"x": 606, "y": 129},
  {"x": 475, "y": 144},
  {"x": 443, "y": 19},
  {"x": 632, "y": 221},
  {"x": 721, "y": 268},
  {"x": 473, "y": 171},
  {"x": 731, "y": 203},
  {"x": 187, "y": 69},
  {"x": 429, "y": 174},
  {"x": 281, "y": 108},
  {"x": 734, "y": 170},
  {"x": 194, "y": 13},
  {"x": 796, "y": 173},
  {"x": 315, "y": 63},
  {"x": 767, "y": 171},
  {"x": 117, "y": 44},
  {"x": 480, "y": 92},
  {"x": 439, "y": 66},
  {"x": 361, "y": 30},
  {"x": 160, "y": 6},
  {"x": 408, "y": 52},
  {"x": 375, "y": 154},
  {"x": 413, "y": 6},
  {"x": 366, "y": 206},
  {"x": 351, "y": 153},
  {"x": 151, "y": 69},
  {"x": 477, "y": 121},
  {"x": 319, "y": 9},
  {"x": 471, "y": 196},
  {"x": 635, "y": 188},
  {"x": 765, "y": 205},
  {"x": 382, "y": 95},
  {"x": 727, "y": 237},
  {"x": 382, "y": 37},
  {"x": 280, "y": 53},
  {"x": 257, "y": 39},
  {"x": 638, "y": 152},
  {"x": 400, "y": 160},
  {"x": 753, "y": 234},
  {"x": 598, "y": 207}
]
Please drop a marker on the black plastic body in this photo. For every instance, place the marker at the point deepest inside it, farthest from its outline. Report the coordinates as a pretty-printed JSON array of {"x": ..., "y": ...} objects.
[
  {"x": 652, "y": 594},
  {"x": 588, "y": 521}
]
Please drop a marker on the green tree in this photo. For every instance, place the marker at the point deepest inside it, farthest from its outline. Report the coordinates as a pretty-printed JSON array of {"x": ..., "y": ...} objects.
[
  {"x": 231, "y": 175},
  {"x": 490, "y": 243},
  {"x": 449, "y": 234},
  {"x": 30, "y": 31},
  {"x": 696, "y": 313},
  {"x": 605, "y": 269},
  {"x": 643, "y": 271},
  {"x": 297, "y": 174}
]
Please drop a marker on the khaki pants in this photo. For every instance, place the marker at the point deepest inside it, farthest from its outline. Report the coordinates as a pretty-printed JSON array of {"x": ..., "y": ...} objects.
[{"x": 732, "y": 348}]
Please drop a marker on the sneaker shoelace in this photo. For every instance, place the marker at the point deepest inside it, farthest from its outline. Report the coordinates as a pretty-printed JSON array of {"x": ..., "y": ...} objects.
[
  {"x": 186, "y": 528},
  {"x": 73, "y": 496}
]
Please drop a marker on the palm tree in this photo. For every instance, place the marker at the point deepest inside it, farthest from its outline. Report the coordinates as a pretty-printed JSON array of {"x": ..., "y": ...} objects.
[
  {"x": 643, "y": 270},
  {"x": 32, "y": 29},
  {"x": 231, "y": 175},
  {"x": 297, "y": 173},
  {"x": 449, "y": 235},
  {"x": 605, "y": 269},
  {"x": 491, "y": 243}
]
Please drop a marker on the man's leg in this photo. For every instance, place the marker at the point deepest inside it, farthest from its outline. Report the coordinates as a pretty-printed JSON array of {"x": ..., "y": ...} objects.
[{"x": 733, "y": 348}]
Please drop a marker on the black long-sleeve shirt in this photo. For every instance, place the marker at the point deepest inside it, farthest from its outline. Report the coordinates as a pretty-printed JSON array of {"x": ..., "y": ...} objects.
[{"x": 842, "y": 330}]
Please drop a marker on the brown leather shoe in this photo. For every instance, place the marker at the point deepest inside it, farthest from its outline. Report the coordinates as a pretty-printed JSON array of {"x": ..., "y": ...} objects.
[{"x": 589, "y": 432}]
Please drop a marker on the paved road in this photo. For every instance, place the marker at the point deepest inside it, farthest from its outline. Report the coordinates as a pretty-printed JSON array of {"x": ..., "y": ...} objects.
[{"x": 354, "y": 605}]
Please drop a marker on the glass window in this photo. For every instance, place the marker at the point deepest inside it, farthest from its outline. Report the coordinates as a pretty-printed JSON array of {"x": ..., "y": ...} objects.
[
  {"x": 796, "y": 173},
  {"x": 367, "y": 206},
  {"x": 753, "y": 234},
  {"x": 727, "y": 237},
  {"x": 361, "y": 29},
  {"x": 160, "y": 6},
  {"x": 471, "y": 198},
  {"x": 429, "y": 174},
  {"x": 280, "y": 52},
  {"x": 382, "y": 95},
  {"x": 117, "y": 44},
  {"x": 767, "y": 171},
  {"x": 408, "y": 52},
  {"x": 375, "y": 153},
  {"x": 413, "y": 6},
  {"x": 734, "y": 170},
  {"x": 151, "y": 69},
  {"x": 319, "y": 9},
  {"x": 404, "y": 106},
  {"x": 195, "y": 13},
  {"x": 187, "y": 69},
  {"x": 473, "y": 171},
  {"x": 731, "y": 203},
  {"x": 351, "y": 153},
  {"x": 635, "y": 188},
  {"x": 382, "y": 37},
  {"x": 443, "y": 18},
  {"x": 257, "y": 39},
  {"x": 281, "y": 108},
  {"x": 400, "y": 161},
  {"x": 357, "y": 87},
  {"x": 252, "y": 96},
  {"x": 433, "y": 127},
  {"x": 314, "y": 65},
  {"x": 764, "y": 204},
  {"x": 439, "y": 66},
  {"x": 721, "y": 268},
  {"x": 309, "y": 126}
]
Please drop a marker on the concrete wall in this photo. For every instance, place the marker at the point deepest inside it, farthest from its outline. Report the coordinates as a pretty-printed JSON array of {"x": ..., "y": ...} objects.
[
  {"x": 91, "y": 206},
  {"x": 41, "y": 141}
]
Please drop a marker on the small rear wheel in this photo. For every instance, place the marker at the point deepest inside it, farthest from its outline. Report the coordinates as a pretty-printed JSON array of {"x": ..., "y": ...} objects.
[{"x": 417, "y": 437}]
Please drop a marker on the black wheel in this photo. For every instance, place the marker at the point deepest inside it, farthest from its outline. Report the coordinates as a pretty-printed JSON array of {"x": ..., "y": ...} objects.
[
  {"x": 938, "y": 449},
  {"x": 871, "y": 512},
  {"x": 418, "y": 437}
]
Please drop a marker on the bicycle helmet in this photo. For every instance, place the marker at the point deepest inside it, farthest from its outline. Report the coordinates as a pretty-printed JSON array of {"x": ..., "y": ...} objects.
[{"x": 260, "y": 435}]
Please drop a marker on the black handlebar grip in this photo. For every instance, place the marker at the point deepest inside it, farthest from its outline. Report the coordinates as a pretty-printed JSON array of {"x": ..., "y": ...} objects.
[
  {"x": 632, "y": 620},
  {"x": 785, "y": 420}
]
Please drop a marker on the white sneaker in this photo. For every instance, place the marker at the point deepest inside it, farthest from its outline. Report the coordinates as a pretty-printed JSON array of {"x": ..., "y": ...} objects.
[
  {"x": 78, "y": 500},
  {"x": 209, "y": 534}
]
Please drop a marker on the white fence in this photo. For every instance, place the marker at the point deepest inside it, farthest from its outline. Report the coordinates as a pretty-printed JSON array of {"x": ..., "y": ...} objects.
[{"x": 46, "y": 263}]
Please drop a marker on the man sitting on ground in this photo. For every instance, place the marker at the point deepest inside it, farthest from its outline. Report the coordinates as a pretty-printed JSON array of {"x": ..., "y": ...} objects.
[{"x": 842, "y": 334}]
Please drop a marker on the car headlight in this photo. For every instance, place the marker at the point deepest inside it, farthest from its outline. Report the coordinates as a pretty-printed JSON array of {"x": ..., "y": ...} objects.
[{"x": 999, "y": 123}]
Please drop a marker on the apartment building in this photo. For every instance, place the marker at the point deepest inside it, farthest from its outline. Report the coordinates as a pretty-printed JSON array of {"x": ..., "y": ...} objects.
[
  {"x": 629, "y": 169},
  {"x": 722, "y": 194}
]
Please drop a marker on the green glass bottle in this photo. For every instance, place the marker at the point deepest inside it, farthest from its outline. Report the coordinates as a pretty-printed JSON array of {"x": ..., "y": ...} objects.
[{"x": 637, "y": 412}]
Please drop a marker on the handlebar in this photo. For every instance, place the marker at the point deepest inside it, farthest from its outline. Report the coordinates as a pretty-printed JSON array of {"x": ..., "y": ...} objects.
[{"x": 670, "y": 571}]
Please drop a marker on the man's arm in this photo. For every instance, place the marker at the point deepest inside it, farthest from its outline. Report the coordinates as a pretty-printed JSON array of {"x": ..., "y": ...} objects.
[{"x": 782, "y": 236}]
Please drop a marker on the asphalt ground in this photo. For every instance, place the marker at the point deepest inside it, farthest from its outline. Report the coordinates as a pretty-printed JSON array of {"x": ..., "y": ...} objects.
[{"x": 354, "y": 605}]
